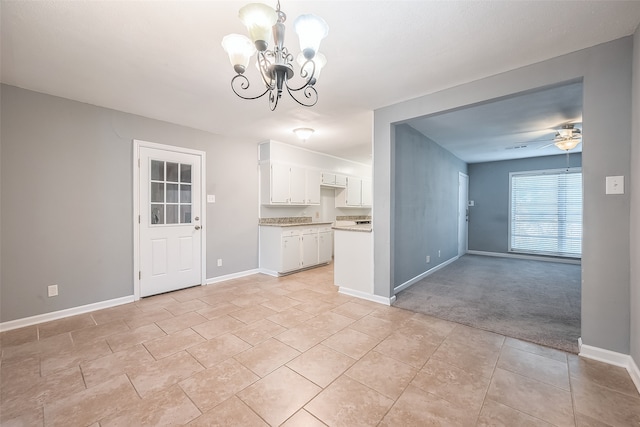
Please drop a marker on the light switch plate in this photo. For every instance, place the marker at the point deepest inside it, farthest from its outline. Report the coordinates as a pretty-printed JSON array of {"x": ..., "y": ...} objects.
[
  {"x": 615, "y": 185},
  {"x": 211, "y": 198}
]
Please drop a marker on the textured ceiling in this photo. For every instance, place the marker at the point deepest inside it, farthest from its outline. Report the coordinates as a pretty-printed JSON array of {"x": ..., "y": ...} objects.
[{"x": 164, "y": 60}]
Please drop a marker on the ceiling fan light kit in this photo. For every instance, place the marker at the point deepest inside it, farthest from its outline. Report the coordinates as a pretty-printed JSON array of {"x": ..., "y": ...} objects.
[
  {"x": 265, "y": 24},
  {"x": 567, "y": 138}
]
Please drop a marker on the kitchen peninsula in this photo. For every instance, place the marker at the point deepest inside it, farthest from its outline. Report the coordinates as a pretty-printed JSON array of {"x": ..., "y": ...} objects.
[{"x": 353, "y": 257}]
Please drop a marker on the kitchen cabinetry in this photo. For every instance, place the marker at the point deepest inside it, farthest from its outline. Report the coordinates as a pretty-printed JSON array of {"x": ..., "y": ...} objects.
[
  {"x": 309, "y": 254},
  {"x": 283, "y": 184},
  {"x": 325, "y": 245},
  {"x": 333, "y": 180},
  {"x": 290, "y": 248},
  {"x": 312, "y": 189},
  {"x": 357, "y": 193},
  {"x": 367, "y": 190}
]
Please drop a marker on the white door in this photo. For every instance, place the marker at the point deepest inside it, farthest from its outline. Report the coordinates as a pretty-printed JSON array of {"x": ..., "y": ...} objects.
[
  {"x": 170, "y": 217},
  {"x": 463, "y": 213}
]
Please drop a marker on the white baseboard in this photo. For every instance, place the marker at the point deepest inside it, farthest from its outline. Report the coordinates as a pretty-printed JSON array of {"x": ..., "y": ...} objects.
[
  {"x": 55, "y": 315},
  {"x": 232, "y": 276},
  {"x": 416, "y": 279},
  {"x": 368, "y": 297},
  {"x": 612, "y": 358},
  {"x": 525, "y": 256}
]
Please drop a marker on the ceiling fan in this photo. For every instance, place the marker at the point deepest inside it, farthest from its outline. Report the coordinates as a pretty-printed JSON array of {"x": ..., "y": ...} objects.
[{"x": 566, "y": 138}]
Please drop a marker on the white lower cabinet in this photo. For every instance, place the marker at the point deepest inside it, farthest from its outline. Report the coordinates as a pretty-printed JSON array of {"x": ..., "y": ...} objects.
[
  {"x": 287, "y": 249},
  {"x": 309, "y": 247},
  {"x": 325, "y": 245},
  {"x": 290, "y": 250}
]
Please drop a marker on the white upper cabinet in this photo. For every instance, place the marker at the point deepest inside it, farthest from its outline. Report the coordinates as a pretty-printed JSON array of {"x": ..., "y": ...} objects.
[
  {"x": 313, "y": 187},
  {"x": 331, "y": 179},
  {"x": 367, "y": 193},
  {"x": 283, "y": 184}
]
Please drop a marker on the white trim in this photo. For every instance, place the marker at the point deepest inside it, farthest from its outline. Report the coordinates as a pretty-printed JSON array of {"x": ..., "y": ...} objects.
[
  {"x": 137, "y": 144},
  {"x": 525, "y": 256},
  {"x": 416, "y": 279},
  {"x": 366, "y": 296},
  {"x": 219, "y": 279},
  {"x": 55, "y": 315},
  {"x": 611, "y": 358},
  {"x": 269, "y": 272},
  {"x": 634, "y": 372}
]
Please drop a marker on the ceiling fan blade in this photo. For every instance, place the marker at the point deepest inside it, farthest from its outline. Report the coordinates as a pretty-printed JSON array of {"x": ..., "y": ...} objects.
[{"x": 545, "y": 146}]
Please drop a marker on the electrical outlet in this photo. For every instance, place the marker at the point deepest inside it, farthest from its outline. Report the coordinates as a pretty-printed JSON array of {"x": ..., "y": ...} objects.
[
  {"x": 428, "y": 259},
  {"x": 219, "y": 262},
  {"x": 52, "y": 290}
]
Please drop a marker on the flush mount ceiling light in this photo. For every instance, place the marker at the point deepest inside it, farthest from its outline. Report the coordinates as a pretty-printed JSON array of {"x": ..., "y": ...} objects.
[
  {"x": 265, "y": 26},
  {"x": 303, "y": 133},
  {"x": 567, "y": 138}
]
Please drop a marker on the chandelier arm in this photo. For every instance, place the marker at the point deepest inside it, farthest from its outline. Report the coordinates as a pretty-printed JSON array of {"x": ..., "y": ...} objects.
[
  {"x": 243, "y": 83},
  {"x": 308, "y": 76},
  {"x": 309, "y": 92},
  {"x": 273, "y": 100},
  {"x": 263, "y": 67}
]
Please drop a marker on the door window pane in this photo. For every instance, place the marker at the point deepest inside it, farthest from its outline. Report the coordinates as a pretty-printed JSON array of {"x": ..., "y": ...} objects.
[
  {"x": 172, "y": 214},
  {"x": 185, "y": 173},
  {"x": 172, "y": 172},
  {"x": 157, "y": 170},
  {"x": 157, "y": 192},
  {"x": 172, "y": 193},
  {"x": 185, "y": 214},
  {"x": 185, "y": 193},
  {"x": 157, "y": 214}
]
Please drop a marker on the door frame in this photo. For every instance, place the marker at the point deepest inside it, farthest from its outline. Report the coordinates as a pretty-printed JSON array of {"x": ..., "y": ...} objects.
[
  {"x": 137, "y": 145},
  {"x": 463, "y": 178}
]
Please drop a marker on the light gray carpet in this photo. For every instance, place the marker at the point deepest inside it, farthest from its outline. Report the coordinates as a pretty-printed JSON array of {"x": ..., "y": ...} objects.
[{"x": 534, "y": 301}]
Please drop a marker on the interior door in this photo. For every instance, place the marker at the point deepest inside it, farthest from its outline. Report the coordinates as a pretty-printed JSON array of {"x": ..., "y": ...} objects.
[
  {"x": 170, "y": 220},
  {"x": 463, "y": 213}
]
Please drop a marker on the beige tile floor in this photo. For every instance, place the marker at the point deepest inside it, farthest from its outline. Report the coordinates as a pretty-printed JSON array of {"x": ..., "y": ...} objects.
[{"x": 291, "y": 351}]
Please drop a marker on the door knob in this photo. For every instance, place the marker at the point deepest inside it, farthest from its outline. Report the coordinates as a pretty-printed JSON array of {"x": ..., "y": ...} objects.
[{"x": 197, "y": 227}]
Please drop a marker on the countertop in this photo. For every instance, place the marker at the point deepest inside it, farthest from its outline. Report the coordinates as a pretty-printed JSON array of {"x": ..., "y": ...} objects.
[
  {"x": 294, "y": 224},
  {"x": 364, "y": 228}
]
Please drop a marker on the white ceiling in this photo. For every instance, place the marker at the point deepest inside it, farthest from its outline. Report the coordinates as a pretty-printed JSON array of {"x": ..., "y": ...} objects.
[{"x": 163, "y": 59}]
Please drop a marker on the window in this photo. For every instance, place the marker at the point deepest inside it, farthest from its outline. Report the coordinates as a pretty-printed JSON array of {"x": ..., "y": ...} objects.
[{"x": 545, "y": 215}]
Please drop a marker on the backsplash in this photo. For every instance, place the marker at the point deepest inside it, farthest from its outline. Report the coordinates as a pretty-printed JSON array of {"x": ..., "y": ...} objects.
[
  {"x": 286, "y": 220},
  {"x": 353, "y": 217}
]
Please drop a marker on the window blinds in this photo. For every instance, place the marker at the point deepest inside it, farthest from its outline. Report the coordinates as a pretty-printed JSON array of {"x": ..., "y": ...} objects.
[{"x": 546, "y": 213}]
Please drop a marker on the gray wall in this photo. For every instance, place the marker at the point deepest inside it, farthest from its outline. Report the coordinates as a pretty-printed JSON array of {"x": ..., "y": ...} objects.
[
  {"x": 606, "y": 74},
  {"x": 426, "y": 208},
  {"x": 635, "y": 205},
  {"x": 67, "y": 200},
  {"x": 489, "y": 189}
]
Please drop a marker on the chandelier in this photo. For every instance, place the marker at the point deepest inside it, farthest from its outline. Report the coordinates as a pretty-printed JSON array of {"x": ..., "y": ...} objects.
[
  {"x": 275, "y": 65},
  {"x": 567, "y": 138}
]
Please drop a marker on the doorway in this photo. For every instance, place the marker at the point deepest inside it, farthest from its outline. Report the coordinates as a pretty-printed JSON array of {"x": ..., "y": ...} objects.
[{"x": 169, "y": 218}]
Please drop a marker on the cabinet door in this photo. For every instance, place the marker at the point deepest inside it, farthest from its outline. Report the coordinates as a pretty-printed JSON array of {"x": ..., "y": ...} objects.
[
  {"x": 298, "y": 180},
  {"x": 341, "y": 180},
  {"x": 367, "y": 198},
  {"x": 325, "y": 246},
  {"x": 328, "y": 178},
  {"x": 313, "y": 187},
  {"x": 279, "y": 183},
  {"x": 309, "y": 249},
  {"x": 354, "y": 191},
  {"x": 290, "y": 253}
]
